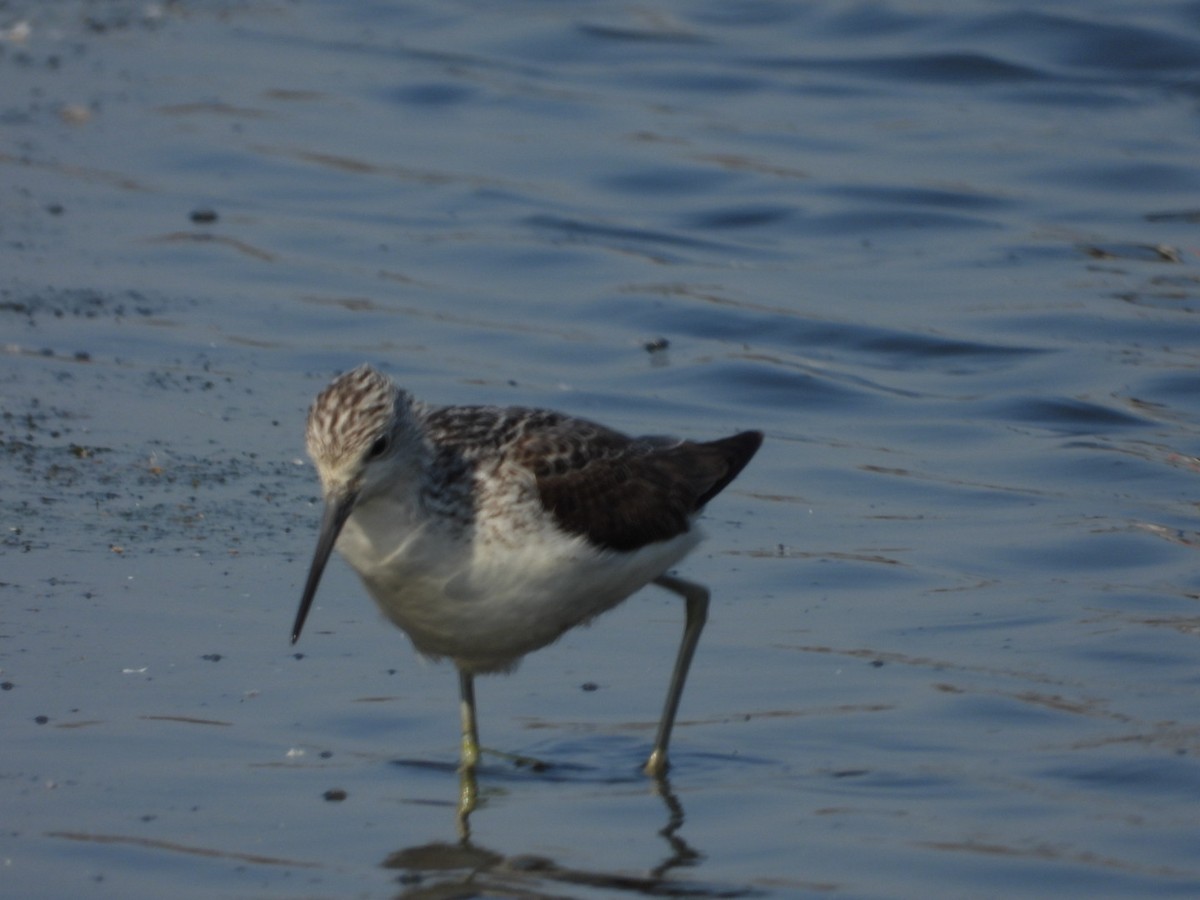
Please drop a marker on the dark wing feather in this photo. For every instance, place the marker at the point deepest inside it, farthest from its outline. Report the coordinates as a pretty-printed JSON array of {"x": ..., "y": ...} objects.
[
  {"x": 736, "y": 452},
  {"x": 620, "y": 493},
  {"x": 623, "y": 493}
]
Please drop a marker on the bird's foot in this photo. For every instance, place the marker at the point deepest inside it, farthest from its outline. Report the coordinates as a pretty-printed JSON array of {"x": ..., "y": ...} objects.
[{"x": 657, "y": 765}]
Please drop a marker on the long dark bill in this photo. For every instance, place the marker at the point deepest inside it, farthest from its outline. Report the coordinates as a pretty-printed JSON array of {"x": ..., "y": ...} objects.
[{"x": 337, "y": 511}]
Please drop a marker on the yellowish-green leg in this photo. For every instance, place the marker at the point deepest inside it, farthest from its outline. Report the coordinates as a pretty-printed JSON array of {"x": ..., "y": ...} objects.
[
  {"x": 696, "y": 599},
  {"x": 468, "y": 795}
]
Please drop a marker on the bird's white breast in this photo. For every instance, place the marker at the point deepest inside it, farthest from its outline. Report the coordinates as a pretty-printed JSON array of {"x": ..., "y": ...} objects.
[{"x": 503, "y": 586}]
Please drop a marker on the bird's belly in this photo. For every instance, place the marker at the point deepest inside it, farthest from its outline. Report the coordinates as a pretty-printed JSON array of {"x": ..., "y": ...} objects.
[{"x": 486, "y": 604}]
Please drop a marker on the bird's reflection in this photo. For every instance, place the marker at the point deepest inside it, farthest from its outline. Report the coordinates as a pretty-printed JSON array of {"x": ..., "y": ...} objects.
[
  {"x": 682, "y": 852},
  {"x": 444, "y": 869}
]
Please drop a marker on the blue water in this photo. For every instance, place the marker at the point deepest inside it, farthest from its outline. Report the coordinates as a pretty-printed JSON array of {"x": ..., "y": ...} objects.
[{"x": 944, "y": 255}]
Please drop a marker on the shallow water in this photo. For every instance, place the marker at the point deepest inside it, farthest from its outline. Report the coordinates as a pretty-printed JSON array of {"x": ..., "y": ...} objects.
[{"x": 946, "y": 257}]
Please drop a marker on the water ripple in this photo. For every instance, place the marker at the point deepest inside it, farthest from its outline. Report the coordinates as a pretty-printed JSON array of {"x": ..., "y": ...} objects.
[{"x": 1068, "y": 415}]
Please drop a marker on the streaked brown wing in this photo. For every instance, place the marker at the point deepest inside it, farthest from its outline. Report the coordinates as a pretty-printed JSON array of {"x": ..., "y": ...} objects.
[{"x": 622, "y": 493}]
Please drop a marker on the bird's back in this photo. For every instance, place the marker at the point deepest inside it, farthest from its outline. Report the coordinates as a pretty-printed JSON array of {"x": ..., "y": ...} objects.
[{"x": 618, "y": 492}]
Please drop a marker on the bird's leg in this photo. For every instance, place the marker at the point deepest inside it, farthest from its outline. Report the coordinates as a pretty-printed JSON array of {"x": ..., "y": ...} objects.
[
  {"x": 470, "y": 731},
  {"x": 468, "y": 788},
  {"x": 696, "y": 598}
]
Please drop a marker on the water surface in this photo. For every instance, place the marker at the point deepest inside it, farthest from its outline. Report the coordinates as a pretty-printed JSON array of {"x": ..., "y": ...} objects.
[{"x": 944, "y": 256}]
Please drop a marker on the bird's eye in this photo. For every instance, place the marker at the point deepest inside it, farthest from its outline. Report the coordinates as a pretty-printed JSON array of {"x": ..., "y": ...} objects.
[{"x": 379, "y": 448}]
